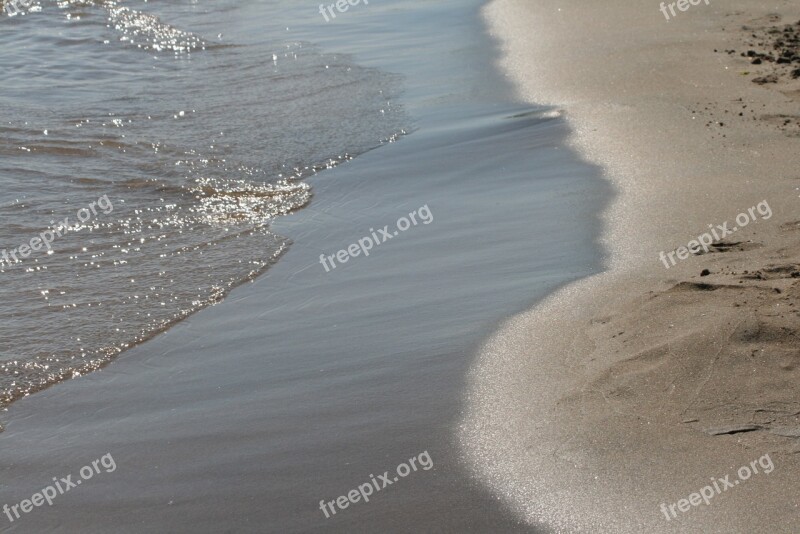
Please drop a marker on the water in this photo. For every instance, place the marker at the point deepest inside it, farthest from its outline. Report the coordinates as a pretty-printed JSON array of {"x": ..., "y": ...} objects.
[
  {"x": 301, "y": 383},
  {"x": 198, "y": 144}
]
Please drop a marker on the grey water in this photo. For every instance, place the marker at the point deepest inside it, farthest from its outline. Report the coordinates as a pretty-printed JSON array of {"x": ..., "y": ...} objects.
[{"x": 238, "y": 141}]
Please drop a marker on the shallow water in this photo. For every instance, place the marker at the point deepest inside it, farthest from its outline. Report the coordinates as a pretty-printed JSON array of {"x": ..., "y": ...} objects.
[
  {"x": 299, "y": 385},
  {"x": 197, "y": 145}
]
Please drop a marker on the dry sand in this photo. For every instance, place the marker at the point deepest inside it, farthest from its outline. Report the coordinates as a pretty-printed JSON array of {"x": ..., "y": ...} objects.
[{"x": 602, "y": 402}]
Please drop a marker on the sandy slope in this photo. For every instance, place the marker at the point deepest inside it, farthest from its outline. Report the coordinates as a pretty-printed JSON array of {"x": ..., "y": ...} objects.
[{"x": 590, "y": 410}]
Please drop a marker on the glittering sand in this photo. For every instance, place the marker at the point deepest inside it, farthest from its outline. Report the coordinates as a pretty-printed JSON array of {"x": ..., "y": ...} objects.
[{"x": 607, "y": 399}]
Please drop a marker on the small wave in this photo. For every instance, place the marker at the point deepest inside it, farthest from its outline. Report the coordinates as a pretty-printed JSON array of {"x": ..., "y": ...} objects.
[
  {"x": 196, "y": 175},
  {"x": 147, "y": 32}
]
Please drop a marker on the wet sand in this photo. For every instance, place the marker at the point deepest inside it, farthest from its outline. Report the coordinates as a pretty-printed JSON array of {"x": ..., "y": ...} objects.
[{"x": 634, "y": 387}]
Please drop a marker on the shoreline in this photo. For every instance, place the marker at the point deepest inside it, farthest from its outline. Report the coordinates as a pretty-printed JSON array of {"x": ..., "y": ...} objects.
[
  {"x": 599, "y": 403},
  {"x": 300, "y": 384}
]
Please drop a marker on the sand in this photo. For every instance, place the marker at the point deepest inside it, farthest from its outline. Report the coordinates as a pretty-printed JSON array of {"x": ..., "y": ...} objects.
[{"x": 637, "y": 386}]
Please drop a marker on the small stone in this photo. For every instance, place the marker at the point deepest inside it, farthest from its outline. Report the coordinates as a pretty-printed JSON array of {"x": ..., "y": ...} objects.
[{"x": 705, "y": 272}]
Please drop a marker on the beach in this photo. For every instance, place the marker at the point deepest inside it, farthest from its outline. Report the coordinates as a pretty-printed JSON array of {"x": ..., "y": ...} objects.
[
  {"x": 505, "y": 266},
  {"x": 633, "y": 388}
]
